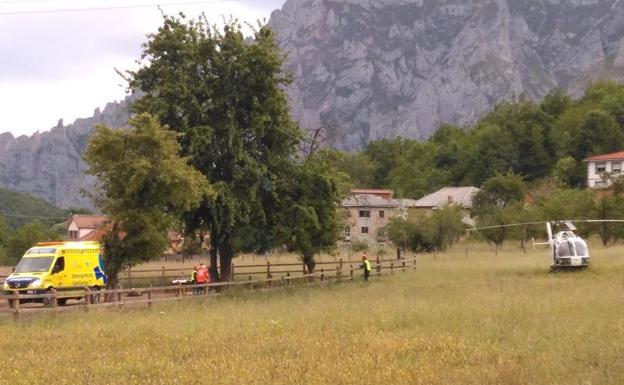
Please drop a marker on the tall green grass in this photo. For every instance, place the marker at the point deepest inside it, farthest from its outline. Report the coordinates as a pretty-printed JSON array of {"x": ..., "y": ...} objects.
[{"x": 475, "y": 319}]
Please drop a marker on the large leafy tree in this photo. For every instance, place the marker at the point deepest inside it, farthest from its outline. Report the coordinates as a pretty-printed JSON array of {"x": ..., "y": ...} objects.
[
  {"x": 144, "y": 187},
  {"x": 310, "y": 222},
  {"x": 225, "y": 94}
]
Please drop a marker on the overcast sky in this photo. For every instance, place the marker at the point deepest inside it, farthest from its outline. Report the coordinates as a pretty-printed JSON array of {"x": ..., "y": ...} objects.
[{"x": 61, "y": 64}]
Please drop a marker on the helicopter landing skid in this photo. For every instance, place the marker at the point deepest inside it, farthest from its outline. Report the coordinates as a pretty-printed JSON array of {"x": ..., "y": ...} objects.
[{"x": 561, "y": 269}]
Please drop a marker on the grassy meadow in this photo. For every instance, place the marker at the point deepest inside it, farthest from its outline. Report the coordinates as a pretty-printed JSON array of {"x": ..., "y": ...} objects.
[{"x": 462, "y": 319}]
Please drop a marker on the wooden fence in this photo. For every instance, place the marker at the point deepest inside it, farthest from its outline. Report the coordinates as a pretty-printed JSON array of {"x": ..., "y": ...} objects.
[
  {"x": 164, "y": 276},
  {"x": 119, "y": 298}
]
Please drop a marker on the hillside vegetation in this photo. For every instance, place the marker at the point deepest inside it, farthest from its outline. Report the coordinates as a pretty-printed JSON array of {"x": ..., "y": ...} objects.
[
  {"x": 475, "y": 319},
  {"x": 545, "y": 140},
  {"x": 17, "y": 209}
]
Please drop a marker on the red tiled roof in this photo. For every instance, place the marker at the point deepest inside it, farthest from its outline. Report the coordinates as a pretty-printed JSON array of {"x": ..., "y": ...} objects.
[
  {"x": 88, "y": 221},
  {"x": 613, "y": 156},
  {"x": 97, "y": 234}
]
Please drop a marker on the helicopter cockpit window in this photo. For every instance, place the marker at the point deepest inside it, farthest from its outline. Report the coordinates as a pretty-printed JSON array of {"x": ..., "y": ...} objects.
[
  {"x": 581, "y": 248},
  {"x": 565, "y": 249}
]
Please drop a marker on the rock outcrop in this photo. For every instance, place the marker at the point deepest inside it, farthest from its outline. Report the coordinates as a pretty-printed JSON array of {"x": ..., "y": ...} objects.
[
  {"x": 370, "y": 69},
  {"x": 49, "y": 165}
]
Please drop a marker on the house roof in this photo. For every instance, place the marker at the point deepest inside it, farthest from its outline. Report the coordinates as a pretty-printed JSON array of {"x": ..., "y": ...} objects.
[
  {"x": 406, "y": 203},
  {"x": 458, "y": 195},
  {"x": 368, "y": 200},
  {"x": 88, "y": 221},
  {"x": 372, "y": 191},
  {"x": 613, "y": 156}
]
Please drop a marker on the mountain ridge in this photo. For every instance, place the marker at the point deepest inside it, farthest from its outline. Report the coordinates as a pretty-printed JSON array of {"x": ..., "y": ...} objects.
[{"x": 367, "y": 70}]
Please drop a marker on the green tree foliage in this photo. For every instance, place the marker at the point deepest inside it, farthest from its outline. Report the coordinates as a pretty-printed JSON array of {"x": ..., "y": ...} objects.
[
  {"x": 565, "y": 172},
  {"x": 500, "y": 191},
  {"x": 309, "y": 222},
  {"x": 225, "y": 94},
  {"x": 24, "y": 238},
  {"x": 500, "y": 202},
  {"x": 144, "y": 186},
  {"x": 528, "y": 138},
  {"x": 426, "y": 233}
]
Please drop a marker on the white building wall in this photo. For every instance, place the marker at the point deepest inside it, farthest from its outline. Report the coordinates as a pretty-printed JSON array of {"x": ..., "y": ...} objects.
[{"x": 594, "y": 176}]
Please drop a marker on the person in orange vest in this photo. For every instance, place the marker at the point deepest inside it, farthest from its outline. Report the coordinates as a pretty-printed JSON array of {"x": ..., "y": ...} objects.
[
  {"x": 202, "y": 277},
  {"x": 366, "y": 266}
]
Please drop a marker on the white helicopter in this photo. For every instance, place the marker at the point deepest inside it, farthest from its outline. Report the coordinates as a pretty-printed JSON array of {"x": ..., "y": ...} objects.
[{"x": 567, "y": 250}]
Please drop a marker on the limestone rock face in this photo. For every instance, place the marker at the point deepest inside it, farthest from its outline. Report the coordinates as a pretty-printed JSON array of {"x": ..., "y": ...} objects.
[
  {"x": 49, "y": 165},
  {"x": 370, "y": 69}
]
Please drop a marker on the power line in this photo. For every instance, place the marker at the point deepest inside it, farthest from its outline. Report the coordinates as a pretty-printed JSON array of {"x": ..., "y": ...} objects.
[{"x": 115, "y": 7}]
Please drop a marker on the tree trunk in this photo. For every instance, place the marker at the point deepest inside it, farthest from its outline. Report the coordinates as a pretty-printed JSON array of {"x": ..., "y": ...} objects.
[
  {"x": 111, "y": 284},
  {"x": 310, "y": 263},
  {"x": 225, "y": 258},
  {"x": 214, "y": 272}
]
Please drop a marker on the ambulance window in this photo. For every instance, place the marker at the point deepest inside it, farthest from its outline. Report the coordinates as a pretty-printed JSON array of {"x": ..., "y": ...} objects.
[{"x": 59, "y": 265}]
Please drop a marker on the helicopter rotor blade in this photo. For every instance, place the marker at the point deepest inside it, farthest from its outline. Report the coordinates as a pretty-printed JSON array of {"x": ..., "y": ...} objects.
[
  {"x": 507, "y": 225},
  {"x": 567, "y": 222}
]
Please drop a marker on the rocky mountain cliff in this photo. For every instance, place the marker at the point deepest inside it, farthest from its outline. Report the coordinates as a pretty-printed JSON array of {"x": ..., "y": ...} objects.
[
  {"x": 369, "y": 69},
  {"x": 49, "y": 165}
]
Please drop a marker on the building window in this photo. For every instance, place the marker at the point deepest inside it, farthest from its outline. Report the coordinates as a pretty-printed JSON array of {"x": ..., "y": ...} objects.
[
  {"x": 73, "y": 234},
  {"x": 601, "y": 167},
  {"x": 364, "y": 230},
  {"x": 382, "y": 214},
  {"x": 600, "y": 184},
  {"x": 346, "y": 233},
  {"x": 616, "y": 167},
  {"x": 364, "y": 213}
]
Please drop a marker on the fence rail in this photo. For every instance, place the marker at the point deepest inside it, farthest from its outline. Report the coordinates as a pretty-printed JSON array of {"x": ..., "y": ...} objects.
[{"x": 148, "y": 296}]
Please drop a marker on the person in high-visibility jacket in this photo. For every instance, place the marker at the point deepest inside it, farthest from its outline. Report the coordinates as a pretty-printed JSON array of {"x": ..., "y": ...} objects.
[
  {"x": 194, "y": 278},
  {"x": 366, "y": 266}
]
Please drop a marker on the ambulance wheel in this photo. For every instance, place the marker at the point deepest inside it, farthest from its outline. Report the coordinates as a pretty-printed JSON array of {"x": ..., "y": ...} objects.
[{"x": 62, "y": 301}]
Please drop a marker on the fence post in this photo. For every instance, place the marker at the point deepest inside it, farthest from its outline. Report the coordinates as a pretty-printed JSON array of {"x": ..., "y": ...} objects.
[
  {"x": 87, "y": 298},
  {"x": 351, "y": 272},
  {"x": 322, "y": 274},
  {"x": 163, "y": 275},
  {"x": 378, "y": 267},
  {"x": 130, "y": 276},
  {"x": 288, "y": 276},
  {"x": 149, "y": 297},
  {"x": 304, "y": 268},
  {"x": 232, "y": 272},
  {"x": 16, "y": 305},
  {"x": 403, "y": 267},
  {"x": 250, "y": 283},
  {"x": 119, "y": 297},
  {"x": 414, "y": 262},
  {"x": 391, "y": 267},
  {"x": 339, "y": 274},
  {"x": 268, "y": 269},
  {"x": 340, "y": 263}
]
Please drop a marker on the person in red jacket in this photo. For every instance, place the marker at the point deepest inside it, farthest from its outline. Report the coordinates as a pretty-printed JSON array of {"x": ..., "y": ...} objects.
[{"x": 202, "y": 277}]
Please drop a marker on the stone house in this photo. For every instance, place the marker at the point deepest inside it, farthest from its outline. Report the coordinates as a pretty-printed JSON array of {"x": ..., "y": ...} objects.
[
  {"x": 83, "y": 227},
  {"x": 460, "y": 196},
  {"x": 367, "y": 212}
]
